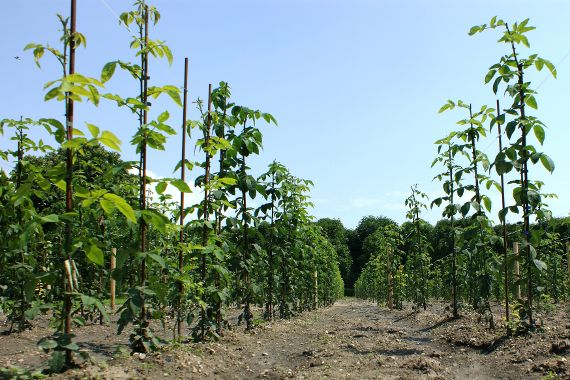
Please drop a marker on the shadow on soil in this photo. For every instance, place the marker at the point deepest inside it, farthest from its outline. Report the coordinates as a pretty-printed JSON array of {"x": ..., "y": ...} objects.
[{"x": 439, "y": 324}]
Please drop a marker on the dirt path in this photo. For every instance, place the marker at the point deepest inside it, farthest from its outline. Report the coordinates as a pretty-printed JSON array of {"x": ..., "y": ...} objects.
[{"x": 354, "y": 339}]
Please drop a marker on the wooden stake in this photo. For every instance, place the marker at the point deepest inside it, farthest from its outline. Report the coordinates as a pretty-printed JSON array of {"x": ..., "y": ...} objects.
[
  {"x": 316, "y": 284},
  {"x": 390, "y": 298},
  {"x": 568, "y": 258},
  {"x": 517, "y": 270},
  {"x": 112, "y": 280}
]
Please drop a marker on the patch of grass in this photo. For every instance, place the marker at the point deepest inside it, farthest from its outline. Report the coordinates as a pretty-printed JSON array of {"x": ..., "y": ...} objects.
[
  {"x": 258, "y": 321},
  {"x": 17, "y": 373},
  {"x": 121, "y": 352}
]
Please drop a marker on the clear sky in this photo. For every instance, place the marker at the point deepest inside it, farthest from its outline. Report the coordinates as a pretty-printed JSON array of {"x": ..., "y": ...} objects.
[{"x": 355, "y": 85}]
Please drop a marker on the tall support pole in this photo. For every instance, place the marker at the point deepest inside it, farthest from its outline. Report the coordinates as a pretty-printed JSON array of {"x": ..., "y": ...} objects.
[
  {"x": 68, "y": 184},
  {"x": 504, "y": 223},
  {"x": 144, "y": 96},
  {"x": 183, "y": 178},
  {"x": 206, "y": 214}
]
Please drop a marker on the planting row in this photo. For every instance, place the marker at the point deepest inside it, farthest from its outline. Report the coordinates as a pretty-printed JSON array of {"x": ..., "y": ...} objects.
[{"x": 73, "y": 210}]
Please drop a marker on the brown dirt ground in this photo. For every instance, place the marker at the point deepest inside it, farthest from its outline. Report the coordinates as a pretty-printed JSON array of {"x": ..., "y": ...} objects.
[{"x": 353, "y": 339}]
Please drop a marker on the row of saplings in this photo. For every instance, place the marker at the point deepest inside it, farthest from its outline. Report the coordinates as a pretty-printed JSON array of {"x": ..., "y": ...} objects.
[
  {"x": 482, "y": 262},
  {"x": 73, "y": 211},
  {"x": 392, "y": 277}
]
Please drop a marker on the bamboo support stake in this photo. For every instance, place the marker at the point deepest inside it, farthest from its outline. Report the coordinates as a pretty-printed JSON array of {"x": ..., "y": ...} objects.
[
  {"x": 112, "y": 280},
  {"x": 568, "y": 258},
  {"x": 316, "y": 285},
  {"x": 390, "y": 298},
  {"x": 517, "y": 270}
]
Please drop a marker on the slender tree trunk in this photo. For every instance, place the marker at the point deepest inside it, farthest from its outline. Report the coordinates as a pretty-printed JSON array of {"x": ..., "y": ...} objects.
[
  {"x": 526, "y": 206},
  {"x": 219, "y": 219},
  {"x": 68, "y": 184},
  {"x": 390, "y": 297},
  {"x": 419, "y": 252},
  {"x": 183, "y": 179},
  {"x": 269, "y": 305},
  {"x": 247, "y": 299},
  {"x": 205, "y": 229},
  {"x": 453, "y": 253},
  {"x": 144, "y": 96},
  {"x": 482, "y": 259},
  {"x": 524, "y": 180},
  {"x": 504, "y": 223}
]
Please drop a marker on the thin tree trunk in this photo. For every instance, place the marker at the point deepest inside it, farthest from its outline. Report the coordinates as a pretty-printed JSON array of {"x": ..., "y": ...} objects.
[
  {"x": 504, "y": 223},
  {"x": 145, "y": 77},
  {"x": 205, "y": 229},
  {"x": 68, "y": 183}
]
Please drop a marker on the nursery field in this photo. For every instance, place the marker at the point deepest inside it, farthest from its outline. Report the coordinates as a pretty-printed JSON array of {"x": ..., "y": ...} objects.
[
  {"x": 222, "y": 270},
  {"x": 351, "y": 339}
]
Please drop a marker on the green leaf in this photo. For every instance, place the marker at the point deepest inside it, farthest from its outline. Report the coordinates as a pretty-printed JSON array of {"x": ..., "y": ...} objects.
[
  {"x": 503, "y": 167},
  {"x": 550, "y": 67},
  {"x": 540, "y": 265},
  {"x": 110, "y": 140},
  {"x": 502, "y": 213},
  {"x": 60, "y": 185},
  {"x": 155, "y": 219},
  {"x": 511, "y": 127},
  {"x": 547, "y": 162},
  {"x": 181, "y": 186},
  {"x": 71, "y": 346},
  {"x": 486, "y": 203},
  {"x": 168, "y": 54},
  {"x": 95, "y": 255},
  {"x": 122, "y": 205},
  {"x": 108, "y": 71},
  {"x": 490, "y": 75},
  {"x": 51, "y": 218},
  {"x": 160, "y": 187},
  {"x": 159, "y": 260},
  {"x": 531, "y": 101},
  {"x": 163, "y": 117},
  {"x": 539, "y": 133},
  {"x": 496, "y": 84},
  {"x": 475, "y": 29},
  {"x": 47, "y": 344},
  {"x": 465, "y": 208},
  {"x": 93, "y": 129},
  {"x": 92, "y": 301},
  {"x": 107, "y": 206}
]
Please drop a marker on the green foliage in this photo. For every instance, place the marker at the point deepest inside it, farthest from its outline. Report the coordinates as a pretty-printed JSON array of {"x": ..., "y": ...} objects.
[{"x": 512, "y": 71}]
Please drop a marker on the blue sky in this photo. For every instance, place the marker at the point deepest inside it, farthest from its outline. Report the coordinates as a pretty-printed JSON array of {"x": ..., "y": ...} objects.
[{"x": 355, "y": 85}]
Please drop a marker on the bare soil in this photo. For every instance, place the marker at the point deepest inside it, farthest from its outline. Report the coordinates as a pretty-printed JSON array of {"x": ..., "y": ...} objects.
[{"x": 352, "y": 339}]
